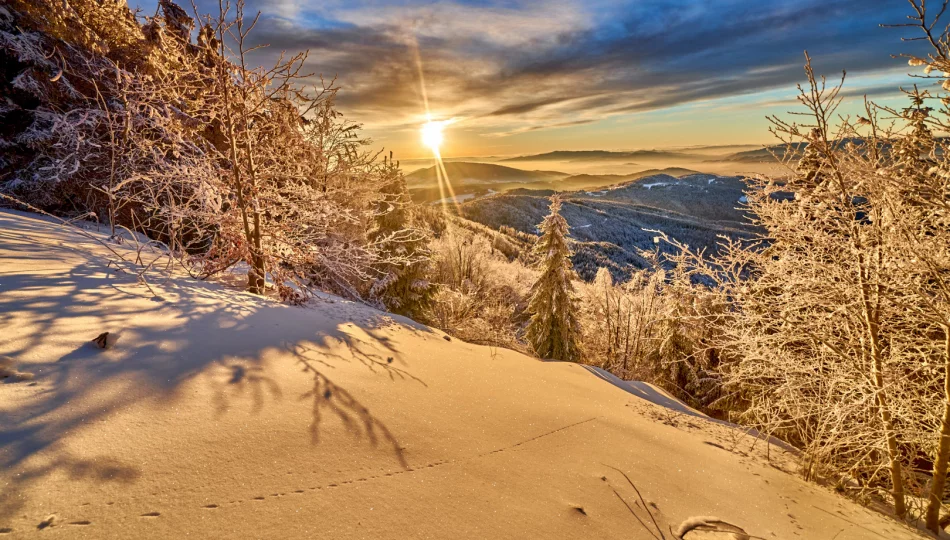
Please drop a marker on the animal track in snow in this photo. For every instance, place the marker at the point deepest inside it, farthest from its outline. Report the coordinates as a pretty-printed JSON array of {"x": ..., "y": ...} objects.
[{"x": 49, "y": 522}]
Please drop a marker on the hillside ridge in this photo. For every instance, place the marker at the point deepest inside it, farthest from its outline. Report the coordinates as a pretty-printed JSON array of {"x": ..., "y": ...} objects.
[{"x": 240, "y": 417}]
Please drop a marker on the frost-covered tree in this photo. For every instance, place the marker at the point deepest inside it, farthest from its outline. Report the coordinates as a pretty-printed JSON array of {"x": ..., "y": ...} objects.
[
  {"x": 553, "y": 330},
  {"x": 653, "y": 328},
  {"x": 403, "y": 284},
  {"x": 164, "y": 126},
  {"x": 837, "y": 334}
]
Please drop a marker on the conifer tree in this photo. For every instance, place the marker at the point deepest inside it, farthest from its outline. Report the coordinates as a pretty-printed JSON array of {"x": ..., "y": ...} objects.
[
  {"x": 554, "y": 329},
  {"x": 402, "y": 285}
]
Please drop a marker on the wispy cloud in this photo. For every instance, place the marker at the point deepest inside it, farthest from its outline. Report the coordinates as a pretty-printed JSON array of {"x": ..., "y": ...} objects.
[{"x": 509, "y": 66}]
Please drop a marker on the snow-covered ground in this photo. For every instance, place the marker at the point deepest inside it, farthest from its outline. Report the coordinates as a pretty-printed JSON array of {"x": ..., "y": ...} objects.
[{"x": 217, "y": 414}]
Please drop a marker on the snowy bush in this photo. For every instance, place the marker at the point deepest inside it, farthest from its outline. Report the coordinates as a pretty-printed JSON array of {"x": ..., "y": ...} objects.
[{"x": 178, "y": 137}]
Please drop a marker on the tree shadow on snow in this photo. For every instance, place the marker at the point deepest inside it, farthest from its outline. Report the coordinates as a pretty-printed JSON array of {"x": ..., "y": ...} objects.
[{"x": 201, "y": 327}]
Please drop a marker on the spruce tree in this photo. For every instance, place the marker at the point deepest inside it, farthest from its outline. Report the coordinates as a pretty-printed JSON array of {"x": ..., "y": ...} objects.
[
  {"x": 401, "y": 285},
  {"x": 553, "y": 330}
]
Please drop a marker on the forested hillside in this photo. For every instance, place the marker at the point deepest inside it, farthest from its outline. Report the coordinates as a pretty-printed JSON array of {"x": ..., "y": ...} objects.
[{"x": 612, "y": 226}]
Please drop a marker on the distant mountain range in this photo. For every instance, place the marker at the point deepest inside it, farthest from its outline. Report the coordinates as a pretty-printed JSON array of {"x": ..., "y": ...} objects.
[
  {"x": 769, "y": 153},
  {"x": 471, "y": 180},
  {"x": 691, "y": 156},
  {"x": 583, "y": 181},
  {"x": 482, "y": 173},
  {"x": 606, "y": 155},
  {"x": 761, "y": 155}
]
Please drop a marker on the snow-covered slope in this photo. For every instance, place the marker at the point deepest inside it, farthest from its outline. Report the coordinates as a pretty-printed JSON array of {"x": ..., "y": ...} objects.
[{"x": 216, "y": 414}]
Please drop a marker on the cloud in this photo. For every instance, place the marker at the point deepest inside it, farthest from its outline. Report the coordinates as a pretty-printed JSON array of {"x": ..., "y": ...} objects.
[
  {"x": 509, "y": 66},
  {"x": 527, "y": 106}
]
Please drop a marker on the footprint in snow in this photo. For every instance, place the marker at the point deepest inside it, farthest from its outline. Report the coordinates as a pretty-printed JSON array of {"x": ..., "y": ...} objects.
[{"x": 48, "y": 522}]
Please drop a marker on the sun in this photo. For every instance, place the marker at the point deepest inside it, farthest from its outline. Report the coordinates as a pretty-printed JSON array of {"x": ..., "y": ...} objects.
[{"x": 432, "y": 135}]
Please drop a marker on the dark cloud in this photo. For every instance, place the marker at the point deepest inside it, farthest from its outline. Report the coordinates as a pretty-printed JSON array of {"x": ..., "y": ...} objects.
[
  {"x": 886, "y": 90},
  {"x": 527, "y": 106}
]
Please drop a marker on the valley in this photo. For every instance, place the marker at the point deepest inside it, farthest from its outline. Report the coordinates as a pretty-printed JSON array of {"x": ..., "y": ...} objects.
[{"x": 613, "y": 217}]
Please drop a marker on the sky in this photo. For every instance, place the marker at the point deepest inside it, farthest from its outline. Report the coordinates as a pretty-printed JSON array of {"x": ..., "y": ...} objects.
[{"x": 519, "y": 77}]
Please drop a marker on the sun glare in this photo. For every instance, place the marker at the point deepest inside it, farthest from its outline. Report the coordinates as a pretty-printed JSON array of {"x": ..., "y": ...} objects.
[{"x": 432, "y": 135}]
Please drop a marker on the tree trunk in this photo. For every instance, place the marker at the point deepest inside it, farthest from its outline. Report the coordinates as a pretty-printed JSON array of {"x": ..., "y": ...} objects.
[
  {"x": 255, "y": 278},
  {"x": 238, "y": 187},
  {"x": 877, "y": 376},
  {"x": 893, "y": 453},
  {"x": 943, "y": 448}
]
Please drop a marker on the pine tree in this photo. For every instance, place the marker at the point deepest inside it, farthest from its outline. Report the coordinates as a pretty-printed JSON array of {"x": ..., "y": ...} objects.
[
  {"x": 554, "y": 329},
  {"x": 402, "y": 285}
]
